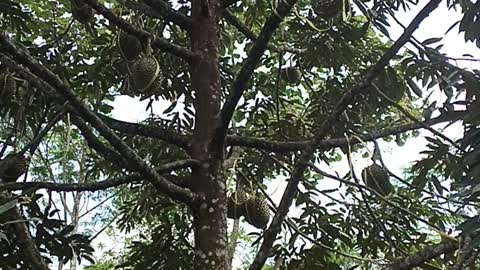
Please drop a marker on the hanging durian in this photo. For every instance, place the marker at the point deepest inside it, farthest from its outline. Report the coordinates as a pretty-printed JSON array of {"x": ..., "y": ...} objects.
[
  {"x": 146, "y": 74},
  {"x": 236, "y": 204},
  {"x": 257, "y": 212},
  {"x": 84, "y": 14},
  {"x": 376, "y": 177},
  {"x": 8, "y": 86},
  {"x": 130, "y": 46},
  {"x": 13, "y": 166},
  {"x": 292, "y": 75}
]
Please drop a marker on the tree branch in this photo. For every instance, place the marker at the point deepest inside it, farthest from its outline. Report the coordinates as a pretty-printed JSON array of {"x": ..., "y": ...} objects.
[
  {"x": 242, "y": 78},
  {"x": 160, "y": 43},
  {"x": 270, "y": 145},
  {"x": 231, "y": 19},
  {"x": 144, "y": 9},
  {"x": 102, "y": 185},
  {"x": 464, "y": 253},
  {"x": 94, "y": 142},
  {"x": 170, "y": 14},
  {"x": 423, "y": 256},
  {"x": 279, "y": 146},
  {"x": 81, "y": 108},
  {"x": 33, "y": 144},
  {"x": 302, "y": 162},
  {"x": 413, "y": 118}
]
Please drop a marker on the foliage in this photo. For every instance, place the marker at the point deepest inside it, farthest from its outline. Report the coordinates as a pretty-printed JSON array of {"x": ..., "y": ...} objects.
[{"x": 341, "y": 227}]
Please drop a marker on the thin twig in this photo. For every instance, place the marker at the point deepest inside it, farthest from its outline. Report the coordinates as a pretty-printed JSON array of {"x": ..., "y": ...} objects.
[
  {"x": 230, "y": 18},
  {"x": 360, "y": 186},
  {"x": 367, "y": 203},
  {"x": 291, "y": 224}
]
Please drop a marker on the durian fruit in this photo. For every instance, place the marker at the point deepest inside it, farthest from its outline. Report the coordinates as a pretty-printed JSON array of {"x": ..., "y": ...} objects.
[
  {"x": 12, "y": 167},
  {"x": 8, "y": 85},
  {"x": 327, "y": 8},
  {"x": 82, "y": 12},
  {"x": 257, "y": 212},
  {"x": 145, "y": 73},
  {"x": 376, "y": 177},
  {"x": 291, "y": 75},
  {"x": 130, "y": 46},
  {"x": 154, "y": 90},
  {"x": 236, "y": 204}
]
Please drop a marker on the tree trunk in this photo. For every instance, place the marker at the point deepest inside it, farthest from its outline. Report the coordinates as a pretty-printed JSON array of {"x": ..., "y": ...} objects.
[{"x": 208, "y": 183}]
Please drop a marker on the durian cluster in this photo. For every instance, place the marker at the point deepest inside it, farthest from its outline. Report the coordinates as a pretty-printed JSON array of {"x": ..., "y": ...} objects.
[
  {"x": 253, "y": 207},
  {"x": 376, "y": 177},
  {"x": 144, "y": 74}
]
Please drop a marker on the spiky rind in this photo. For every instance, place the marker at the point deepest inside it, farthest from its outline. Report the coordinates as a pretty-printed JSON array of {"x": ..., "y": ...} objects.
[
  {"x": 12, "y": 167},
  {"x": 130, "y": 46},
  {"x": 292, "y": 75},
  {"x": 376, "y": 177},
  {"x": 257, "y": 212},
  {"x": 8, "y": 85},
  {"x": 82, "y": 12},
  {"x": 236, "y": 204},
  {"x": 145, "y": 72}
]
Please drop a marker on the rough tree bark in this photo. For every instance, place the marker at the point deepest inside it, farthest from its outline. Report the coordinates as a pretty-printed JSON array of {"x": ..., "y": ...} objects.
[{"x": 209, "y": 210}]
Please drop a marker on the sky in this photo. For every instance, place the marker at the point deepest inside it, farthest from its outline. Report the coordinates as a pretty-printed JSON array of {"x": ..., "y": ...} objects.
[{"x": 398, "y": 158}]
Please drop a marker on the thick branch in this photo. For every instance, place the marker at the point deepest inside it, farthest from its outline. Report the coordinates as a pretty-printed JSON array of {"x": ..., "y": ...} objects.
[
  {"x": 144, "y": 9},
  {"x": 102, "y": 185},
  {"x": 302, "y": 162},
  {"x": 423, "y": 256},
  {"x": 271, "y": 145},
  {"x": 66, "y": 92},
  {"x": 464, "y": 253},
  {"x": 279, "y": 146},
  {"x": 231, "y": 19},
  {"x": 160, "y": 43},
  {"x": 170, "y": 14},
  {"x": 256, "y": 52},
  {"x": 94, "y": 142}
]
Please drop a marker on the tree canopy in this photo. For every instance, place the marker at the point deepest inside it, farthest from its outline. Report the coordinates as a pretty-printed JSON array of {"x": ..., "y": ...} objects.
[{"x": 264, "y": 143}]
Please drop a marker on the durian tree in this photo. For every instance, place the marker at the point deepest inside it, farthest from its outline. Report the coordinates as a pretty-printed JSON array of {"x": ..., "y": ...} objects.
[{"x": 258, "y": 94}]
